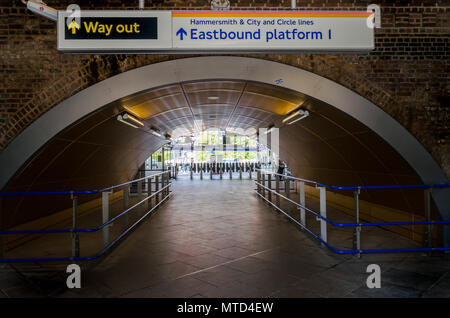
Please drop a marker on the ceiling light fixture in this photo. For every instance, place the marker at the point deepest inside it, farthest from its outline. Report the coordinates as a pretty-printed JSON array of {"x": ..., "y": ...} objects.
[
  {"x": 168, "y": 136},
  {"x": 213, "y": 97},
  {"x": 155, "y": 132},
  {"x": 130, "y": 120},
  {"x": 295, "y": 116}
]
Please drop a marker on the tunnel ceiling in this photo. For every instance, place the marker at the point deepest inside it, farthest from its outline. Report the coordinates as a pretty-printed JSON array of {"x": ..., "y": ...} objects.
[
  {"x": 99, "y": 151},
  {"x": 232, "y": 105}
]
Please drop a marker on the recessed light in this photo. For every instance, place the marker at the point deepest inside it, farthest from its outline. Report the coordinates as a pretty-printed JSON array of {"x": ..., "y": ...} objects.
[{"x": 213, "y": 97}]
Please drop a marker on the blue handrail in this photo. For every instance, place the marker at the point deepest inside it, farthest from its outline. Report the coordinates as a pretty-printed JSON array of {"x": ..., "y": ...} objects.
[
  {"x": 424, "y": 186},
  {"x": 87, "y": 258},
  {"x": 338, "y": 251},
  {"x": 90, "y": 230},
  {"x": 362, "y": 251},
  {"x": 304, "y": 207},
  {"x": 350, "y": 224}
]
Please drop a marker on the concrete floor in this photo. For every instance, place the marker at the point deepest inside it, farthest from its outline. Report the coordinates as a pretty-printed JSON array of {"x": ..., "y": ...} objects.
[{"x": 217, "y": 239}]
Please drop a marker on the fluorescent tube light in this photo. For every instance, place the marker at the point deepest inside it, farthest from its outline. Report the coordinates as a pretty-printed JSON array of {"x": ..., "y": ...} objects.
[
  {"x": 155, "y": 132},
  {"x": 296, "y": 116},
  {"x": 130, "y": 120}
]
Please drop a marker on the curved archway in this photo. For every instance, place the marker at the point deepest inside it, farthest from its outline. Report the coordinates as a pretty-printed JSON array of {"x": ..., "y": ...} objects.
[{"x": 225, "y": 68}]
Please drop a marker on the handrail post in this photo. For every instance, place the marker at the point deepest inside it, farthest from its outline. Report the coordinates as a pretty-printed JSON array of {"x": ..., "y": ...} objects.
[
  {"x": 358, "y": 228},
  {"x": 263, "y": 182},
  {"x": 150, "y": 187},
  {"x": 192, "y": 172},
  {"x": 258, "y": 181},
  {"x": 151, "y": 200},
  {"x": 2, "y": 255},
  {"x": 126, "y": 199},
  {"x": 428, "y": 228},
  {"x": 277, "y": 189},
  {"x": 303, "y": 203},
  {"x": 163, "y": 183},
  {"x": 166, "y": 182},
  {"x": 75, "y": 237},
  {"x": 105, "y": 217},
  {"x": 176, "y": 171},
  {"x": 168, "y": 188},
  {"x": 287, "y": 191},
  {"x": 323, "y": 213},
  {"x": 269, "y": 185},
  {"x": 139, "y": 193},
  {"x": 156, "y": 189}
]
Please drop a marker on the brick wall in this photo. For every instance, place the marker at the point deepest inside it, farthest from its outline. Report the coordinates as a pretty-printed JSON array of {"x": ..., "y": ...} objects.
[{"x": 407, "y": 75}]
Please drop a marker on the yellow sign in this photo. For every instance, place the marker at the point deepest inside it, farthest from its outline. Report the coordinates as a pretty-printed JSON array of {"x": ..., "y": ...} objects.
[{"x": 96, "y": 27}]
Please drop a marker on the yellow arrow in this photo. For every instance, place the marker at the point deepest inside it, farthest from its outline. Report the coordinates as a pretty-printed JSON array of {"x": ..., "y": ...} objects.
[{"x": 73, "y": 26}]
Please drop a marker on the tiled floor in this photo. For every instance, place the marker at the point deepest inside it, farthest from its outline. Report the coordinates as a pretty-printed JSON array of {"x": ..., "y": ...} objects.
[{"x": 217, "y": 239}]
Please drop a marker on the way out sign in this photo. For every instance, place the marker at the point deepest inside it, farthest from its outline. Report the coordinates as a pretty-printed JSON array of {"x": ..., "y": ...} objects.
[
  {"x": 148, "y": 31},
  {"x": 115, "y": 31}
]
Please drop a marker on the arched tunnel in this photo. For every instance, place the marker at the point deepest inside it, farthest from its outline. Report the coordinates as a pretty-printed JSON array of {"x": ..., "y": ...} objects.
[
  {"x": 345, "y": 141},
  {"x": 87, "y": 148}
]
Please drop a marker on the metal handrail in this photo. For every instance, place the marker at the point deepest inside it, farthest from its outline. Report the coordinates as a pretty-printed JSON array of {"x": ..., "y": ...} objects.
[
  {"x": 357, "y": 225},
  {"x": 87, "y": 258},
  {"x": 350, "y": 224},
  {"x": 74, "y": 231},
  {"x": 411, "y": 186},
  {"x": 90, "y": 230},
  {"x": 361, "y": 251}
]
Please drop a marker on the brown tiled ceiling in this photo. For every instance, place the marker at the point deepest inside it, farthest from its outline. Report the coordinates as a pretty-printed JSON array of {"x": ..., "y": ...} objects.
[{"x": 216, "y": 104}]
